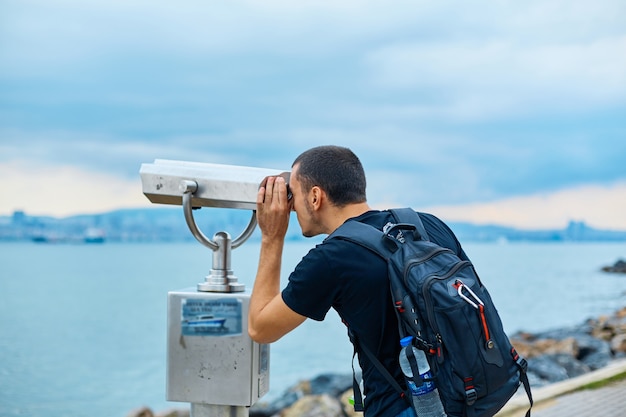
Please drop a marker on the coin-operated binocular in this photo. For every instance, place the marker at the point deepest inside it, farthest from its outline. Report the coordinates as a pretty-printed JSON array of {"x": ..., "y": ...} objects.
[{"x": 212, "y": 363}]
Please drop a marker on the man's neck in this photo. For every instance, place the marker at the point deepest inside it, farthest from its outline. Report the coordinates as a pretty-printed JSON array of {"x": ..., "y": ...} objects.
[{"x": 338, "y": 215}]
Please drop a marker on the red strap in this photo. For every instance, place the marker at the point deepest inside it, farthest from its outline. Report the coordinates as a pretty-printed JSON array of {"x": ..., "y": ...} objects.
[{"x": 483, "y": 319}]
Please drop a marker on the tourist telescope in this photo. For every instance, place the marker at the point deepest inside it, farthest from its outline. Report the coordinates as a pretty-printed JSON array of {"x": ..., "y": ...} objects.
[{"x": 212, "y": 363}]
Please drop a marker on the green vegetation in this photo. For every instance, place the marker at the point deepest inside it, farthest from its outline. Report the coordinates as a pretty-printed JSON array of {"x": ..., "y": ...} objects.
[{"x": 604, "y": 382}]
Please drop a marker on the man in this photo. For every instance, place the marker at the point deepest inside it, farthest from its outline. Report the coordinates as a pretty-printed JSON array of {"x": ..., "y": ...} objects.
[{"x": 328, "y": 188}]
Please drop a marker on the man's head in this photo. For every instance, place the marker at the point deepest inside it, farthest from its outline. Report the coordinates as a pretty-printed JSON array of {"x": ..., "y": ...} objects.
[{"x": 334, "y": 169}]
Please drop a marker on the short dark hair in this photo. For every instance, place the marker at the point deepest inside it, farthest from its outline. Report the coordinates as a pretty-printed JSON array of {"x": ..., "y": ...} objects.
[{"x": 336, "y": 170}]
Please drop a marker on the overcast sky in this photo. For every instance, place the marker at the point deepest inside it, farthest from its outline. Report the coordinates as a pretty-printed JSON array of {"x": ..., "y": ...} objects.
[{"x": 498, "y": 112}]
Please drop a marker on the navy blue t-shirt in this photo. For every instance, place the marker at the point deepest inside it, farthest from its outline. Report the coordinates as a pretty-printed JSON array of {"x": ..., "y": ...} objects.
[{"x": 353, "y": 281}]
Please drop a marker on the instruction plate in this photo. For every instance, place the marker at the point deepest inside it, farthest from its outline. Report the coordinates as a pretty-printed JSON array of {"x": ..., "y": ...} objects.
[{"x": 219, "y": 317}]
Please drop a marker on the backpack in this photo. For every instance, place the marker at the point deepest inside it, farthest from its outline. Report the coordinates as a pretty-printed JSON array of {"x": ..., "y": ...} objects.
[{"x": 440, "y": 301}]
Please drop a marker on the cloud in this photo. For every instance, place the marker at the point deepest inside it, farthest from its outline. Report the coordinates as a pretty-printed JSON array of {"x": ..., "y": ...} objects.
[
  {"x": 478, "y": 80},
  {"x": 247, "y": 61},
  {"x": 600, "y": 206},
  {"x": 67, "y": 33},
  {"x": 446, "y": 104},
  {"x": 64, "y": 190}
]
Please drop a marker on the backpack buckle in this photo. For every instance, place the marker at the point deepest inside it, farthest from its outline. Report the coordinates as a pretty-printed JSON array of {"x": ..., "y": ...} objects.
[
  {"x": 470, "y": 396},
  {"x": 424, "y": 345},
  {"x": 521, "y": 363},
  {"x": 470, "y": 391}
]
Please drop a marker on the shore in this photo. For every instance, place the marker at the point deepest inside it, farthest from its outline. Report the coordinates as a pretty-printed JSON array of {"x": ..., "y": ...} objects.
[
  {"x": 598, "y": 393},
  {"x": 559, "y": 361}
]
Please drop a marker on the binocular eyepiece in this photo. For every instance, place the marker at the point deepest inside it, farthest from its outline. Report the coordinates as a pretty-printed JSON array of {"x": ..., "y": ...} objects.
[{"x": 286, "y": 175}]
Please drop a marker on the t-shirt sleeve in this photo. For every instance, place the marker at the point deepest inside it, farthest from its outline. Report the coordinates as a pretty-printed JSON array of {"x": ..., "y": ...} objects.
[{"x": 312, "y": 286}]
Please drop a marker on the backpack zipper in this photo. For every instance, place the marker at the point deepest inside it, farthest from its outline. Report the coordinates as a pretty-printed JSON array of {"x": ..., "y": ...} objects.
[
  {"x": 434, "y": 252},
  {"x": 428, "y": 282},
  {"x": 428, "y": 256}
]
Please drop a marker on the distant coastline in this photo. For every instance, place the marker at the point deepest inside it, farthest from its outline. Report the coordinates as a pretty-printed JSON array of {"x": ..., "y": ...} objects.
[{"x": 167, "y": 224}]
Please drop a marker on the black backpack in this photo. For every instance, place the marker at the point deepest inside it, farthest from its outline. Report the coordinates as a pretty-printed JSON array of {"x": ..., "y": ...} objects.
[{"x": 442, "y": 303}]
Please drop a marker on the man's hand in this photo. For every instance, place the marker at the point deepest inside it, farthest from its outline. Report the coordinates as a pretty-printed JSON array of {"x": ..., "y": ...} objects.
[
  {"x": 269, "y": 318},
  {"x": 273, "y": 208}
]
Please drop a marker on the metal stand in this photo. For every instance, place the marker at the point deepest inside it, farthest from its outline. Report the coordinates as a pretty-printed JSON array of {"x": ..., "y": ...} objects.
[{"x": 221, "y": 278}]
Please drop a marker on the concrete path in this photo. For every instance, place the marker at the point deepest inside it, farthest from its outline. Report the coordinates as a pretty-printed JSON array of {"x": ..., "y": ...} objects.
[{"x": 563, "y": 399}]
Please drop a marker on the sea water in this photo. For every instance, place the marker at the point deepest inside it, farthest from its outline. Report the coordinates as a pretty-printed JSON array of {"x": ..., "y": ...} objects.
[{"x": 83, "y": 327}]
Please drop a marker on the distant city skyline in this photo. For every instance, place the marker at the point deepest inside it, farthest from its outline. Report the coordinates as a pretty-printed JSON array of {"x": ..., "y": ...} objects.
[
  {"x": 168, "y": 225},
  {"x": 491, "y": 113}
]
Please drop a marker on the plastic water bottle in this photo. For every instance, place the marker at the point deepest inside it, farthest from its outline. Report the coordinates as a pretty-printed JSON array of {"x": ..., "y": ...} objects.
[{"x": 425, "y": 397}]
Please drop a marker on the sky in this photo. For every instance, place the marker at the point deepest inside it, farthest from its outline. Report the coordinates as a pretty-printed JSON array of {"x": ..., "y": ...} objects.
[{"x": 492, "y": 112}]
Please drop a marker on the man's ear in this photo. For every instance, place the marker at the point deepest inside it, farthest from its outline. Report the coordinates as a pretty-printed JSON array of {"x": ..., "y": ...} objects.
[{"x": 315, "y": 197}]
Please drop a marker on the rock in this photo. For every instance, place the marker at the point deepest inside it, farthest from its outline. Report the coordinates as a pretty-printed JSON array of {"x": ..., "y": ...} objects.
[
  {"x": 571, "y": 351},
  {"x": 618, "y": 343},
  {"x": 597, "y": 360},
  {"x": 174, "y": 412},
  {"x": 573, "y": 367},
  {"x": 589, "y": 345},
  {"x": 348, "y": 408},
  {"x": 332, "y": 384},
  {"x": 539, "y": 347},
  {"x": 314, "y": 406},
  {"x": 141, "y": 412},
  {"x": 606, "y": 327},
  {"x": 262, "y": 410},
  {"x": 617, "y": 267},
  {"x": 265, "y": 409},
  {"x": 546, "y": 368}
]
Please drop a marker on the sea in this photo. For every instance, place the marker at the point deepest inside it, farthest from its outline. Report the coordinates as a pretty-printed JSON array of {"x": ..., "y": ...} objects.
[{"x": 83, "y": 326}]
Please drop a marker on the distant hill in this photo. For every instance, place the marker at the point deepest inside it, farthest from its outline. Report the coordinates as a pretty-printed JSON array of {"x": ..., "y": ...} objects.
[
  {"x": 168, "y": 224},
  {"x": 575, "y": 231}
]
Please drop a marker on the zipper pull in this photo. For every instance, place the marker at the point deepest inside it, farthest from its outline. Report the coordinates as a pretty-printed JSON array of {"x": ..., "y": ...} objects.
[{"x": 438, "y": 349}]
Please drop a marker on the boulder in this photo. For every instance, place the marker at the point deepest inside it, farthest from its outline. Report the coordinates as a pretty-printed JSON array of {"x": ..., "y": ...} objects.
[
  {"x": 595, "y": 353},
  {"x": 174, "y": 412},
  {"x": 266, "y": 409},
  {"x": 322, "y": 405},
  {"x": 573, "y": 367},
  {"x": 348, "y": 407},
  {"x": 597, "y": 360},
  {"x": 141, "y": 412},
  {"x": 607, "y": 327},
  {"x": 330, "y": 384},
  {"x": 530, "y": 349},
  {"x": 547, "y": 369},
  {"x": 618, "y": 344},
  {"x": 618, "y": 267}
]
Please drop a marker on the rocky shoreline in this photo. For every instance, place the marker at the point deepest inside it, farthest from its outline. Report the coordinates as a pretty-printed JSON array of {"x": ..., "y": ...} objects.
[{"x": 553, "y": 356}]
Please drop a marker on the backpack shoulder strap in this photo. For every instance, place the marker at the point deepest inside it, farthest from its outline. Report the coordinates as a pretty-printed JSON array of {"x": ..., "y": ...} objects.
[
  {"x": 358, "y": 397},
  {"x": 408, "y": 215},
  {"x": 373, "y": 239},
  {"x": 364, "y": 235}
]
